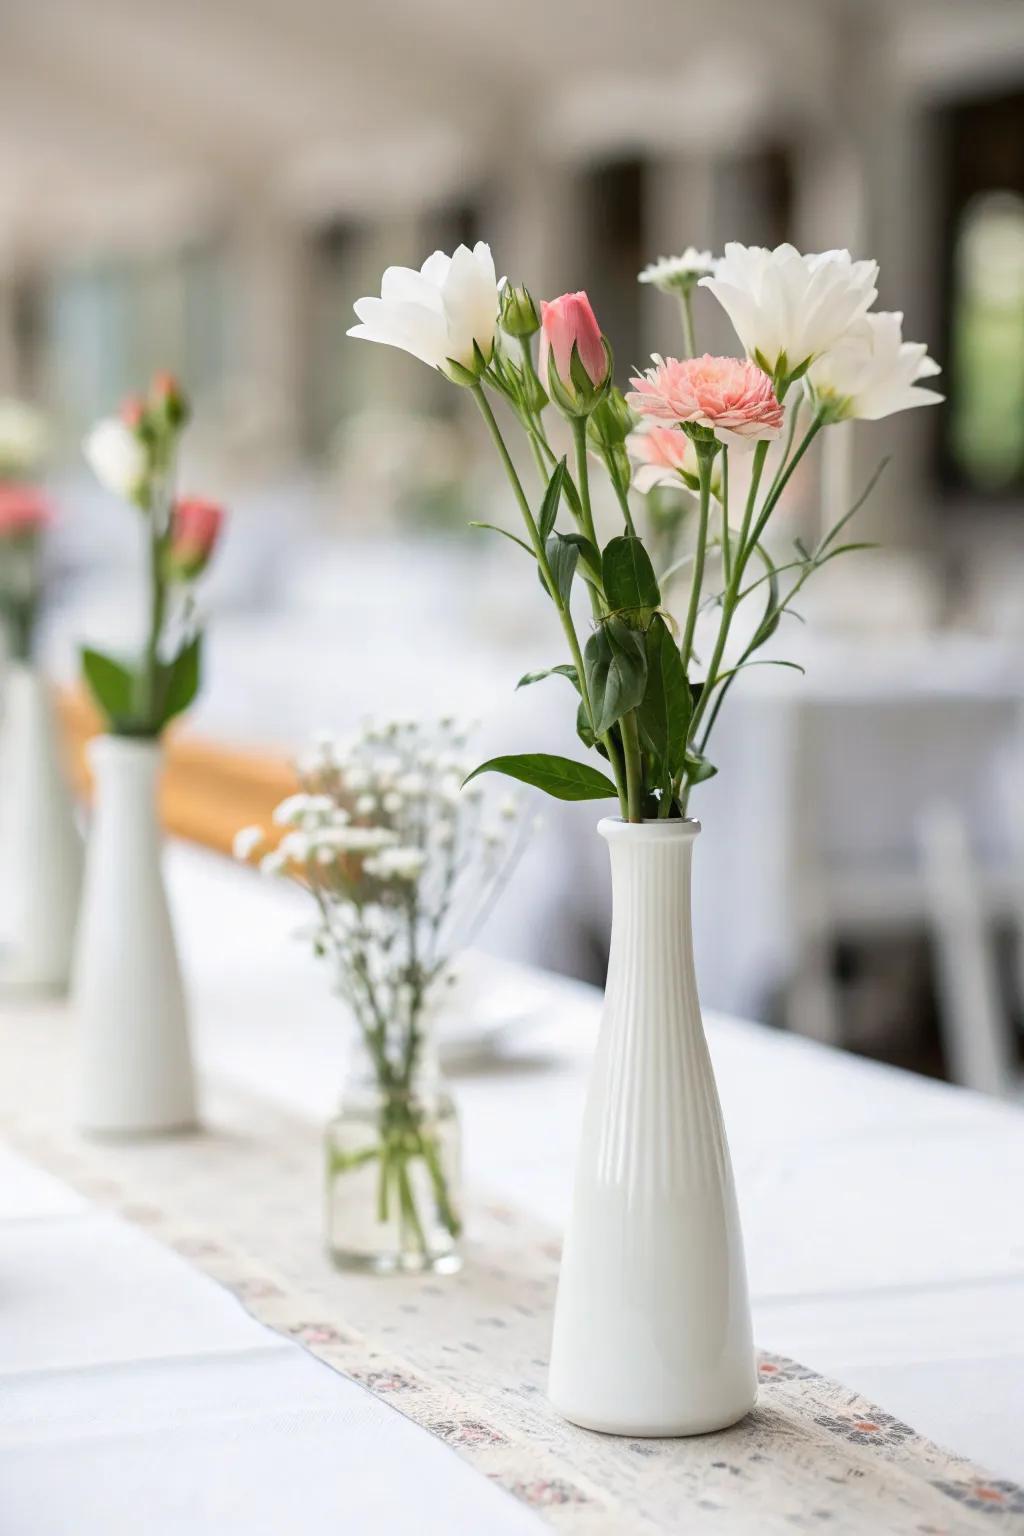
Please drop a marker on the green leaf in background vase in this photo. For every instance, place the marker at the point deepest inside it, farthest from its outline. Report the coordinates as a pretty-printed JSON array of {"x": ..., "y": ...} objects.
[
  {"x": 112, "y": 685},
  {"x": 557, "y": 776},
  {"x": 616, "y": 668},
  {"x": 665, "y": 708},
  {"x": 630, "y": 584},
  {"x": 181, "y": 679}
]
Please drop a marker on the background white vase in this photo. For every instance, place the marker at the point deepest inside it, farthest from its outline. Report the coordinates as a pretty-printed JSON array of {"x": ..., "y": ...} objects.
[
  {"x": 652, "y": 1332},
  {"x": 40, "y": 845},
  {"x": 135, "y": 1063}
]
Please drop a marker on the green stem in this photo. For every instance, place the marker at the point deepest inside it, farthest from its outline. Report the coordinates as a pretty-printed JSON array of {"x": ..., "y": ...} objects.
[
  {"x": 686, "y": 309},
  {"x": 634, "y": 769},
  {"x": 407, "y": 1200},
  {"x": 623, "y": 497},
  {"x": 705, "y": 461},
  {"x": 748, "y": 542},
  {"x": 565, "y": 617},
  {"x": 445, "y": 1211},
  {"x": 579, "y": 436},
  {"x": 726, "y": 541}
]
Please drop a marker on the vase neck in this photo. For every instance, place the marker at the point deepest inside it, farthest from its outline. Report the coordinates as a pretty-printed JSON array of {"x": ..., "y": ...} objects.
[{"x": 651, "y": 944}]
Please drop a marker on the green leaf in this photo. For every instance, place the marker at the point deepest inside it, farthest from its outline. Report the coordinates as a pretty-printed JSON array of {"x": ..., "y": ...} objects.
[
  {"x": 616, "y": 668},
  {"x": 665, "y": 709},
  {"x": 504, "y": 531},
  {"x": 181, "y": 680},
  {"x": 552, "y": 497},
  {"x": 111, "y": 684},
  {"x": 630, "y": 584},
  {"x": 590, "y": 558},
  {"x": 558, "y": 776},
  {"x": 564, "y": 669},
  {"x": 562, "y": 557},
  {"x": 698, "y": 768}
]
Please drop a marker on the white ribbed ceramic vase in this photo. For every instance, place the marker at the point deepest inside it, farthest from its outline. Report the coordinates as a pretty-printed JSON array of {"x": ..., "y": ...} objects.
[
  {"x": 40, "y": 846},
  {"x": 135, "y": 1064},
  {"x": 652, "y": 1328}
]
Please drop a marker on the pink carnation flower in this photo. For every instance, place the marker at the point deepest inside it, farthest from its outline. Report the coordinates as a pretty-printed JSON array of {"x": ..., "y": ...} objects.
[
  {"x": 728, "y": 394},
  {"x": 23, "y": 509}
]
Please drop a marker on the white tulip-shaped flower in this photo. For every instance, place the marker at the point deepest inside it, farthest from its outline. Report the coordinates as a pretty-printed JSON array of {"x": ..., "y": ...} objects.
[
  {"x": 117, "y": 458},
  {"x": 787, "y": 308},
  {"x": 873, "y": 372},
  {"x": 445, "y": 313}
]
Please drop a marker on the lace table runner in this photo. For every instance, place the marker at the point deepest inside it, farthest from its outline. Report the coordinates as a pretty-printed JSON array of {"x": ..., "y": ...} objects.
[{"x": 465, "y": 1357}]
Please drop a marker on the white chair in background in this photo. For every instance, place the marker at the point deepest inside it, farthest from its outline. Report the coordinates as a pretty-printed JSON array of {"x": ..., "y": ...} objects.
[{"x": 975, "y": 1022}]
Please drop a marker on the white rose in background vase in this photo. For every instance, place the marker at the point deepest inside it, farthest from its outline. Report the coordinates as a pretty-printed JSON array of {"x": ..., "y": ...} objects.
[
  {"x": 787, "y": 308},
  {"x": 447, "y": 312},
  {"x": 873, "y": 372},
  {"x": 24, "y": 438},
  {"x": 117, "y": 457}
]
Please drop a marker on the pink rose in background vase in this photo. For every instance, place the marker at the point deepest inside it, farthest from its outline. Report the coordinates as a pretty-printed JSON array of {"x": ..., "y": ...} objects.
[
  {"x": 195, "y": 528},
  {"x": 23, "y": 509},
  {"x": 566, "y": 322},
  {"x": 733, "y": 397}
]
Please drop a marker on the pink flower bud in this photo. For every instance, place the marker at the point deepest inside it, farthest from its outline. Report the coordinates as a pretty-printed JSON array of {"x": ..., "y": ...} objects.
[
  {"x": 23, "y": 509},
  {"x": 195, "y": 529},
  {"x": 564, "y": 322},
  {"x": 132, "y": 412}
]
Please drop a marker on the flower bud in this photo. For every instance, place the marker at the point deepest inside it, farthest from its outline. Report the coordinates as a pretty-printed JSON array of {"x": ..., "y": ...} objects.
[
  {"x": 168, "y": 399},
  {"x": 195, "y": 529},
  {"x": 519, "y": 313},
  {"x": 575, "y": 359}
]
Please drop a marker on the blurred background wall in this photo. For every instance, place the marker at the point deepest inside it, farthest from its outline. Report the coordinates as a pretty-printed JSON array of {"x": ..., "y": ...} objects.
[{"x": 208, "y": 186}]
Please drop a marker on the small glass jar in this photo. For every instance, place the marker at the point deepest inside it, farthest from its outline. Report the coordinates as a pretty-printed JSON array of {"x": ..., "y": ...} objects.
[{"x": 393, "y": 1172}]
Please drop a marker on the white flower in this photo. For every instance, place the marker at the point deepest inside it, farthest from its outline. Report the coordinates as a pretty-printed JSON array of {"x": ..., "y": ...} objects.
[
  {"x": 674, "y": 274},
  {"x": 291, "y": 811},
  {"x": 402, "y": 863},
  {"x": 357, "y": 779},
  {"x": 117, "y": 457},
  {"x": 356, "y": 839},
  {"x": 508, "y": 809},
  {"x": 787, "y": 306},
  {"x": 873, "y": 372},
  {"x": 274, "y": 863},
  {"x": 392, "y": 802},
  {"x": 411, "y": 784},
  {"x": 246, "y": 842},
  {"x": 297, "y": 846},
  {"x": 24, "y": 438},
  {"x": 442, "y": 312},
  {"x": 366, "y": 805}
]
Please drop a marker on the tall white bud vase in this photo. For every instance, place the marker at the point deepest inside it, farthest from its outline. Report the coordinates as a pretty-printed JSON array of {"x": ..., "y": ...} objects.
[
  {"x": 652, "y": 1330},
  {"x": 135, "y": 1063},
  {"x": 40, "y": 846}
]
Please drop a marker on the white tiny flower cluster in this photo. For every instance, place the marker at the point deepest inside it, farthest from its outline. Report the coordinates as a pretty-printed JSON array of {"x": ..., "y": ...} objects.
[{"x": 402, "y": 863}]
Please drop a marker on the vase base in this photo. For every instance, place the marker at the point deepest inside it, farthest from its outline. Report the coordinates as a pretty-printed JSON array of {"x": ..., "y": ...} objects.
[
  {"x": 189, "y": 1127},
  {"x": 678, "y": 1429},
  {"x": 18, "y": 979},
  {"x": 395, "y": 1263}
]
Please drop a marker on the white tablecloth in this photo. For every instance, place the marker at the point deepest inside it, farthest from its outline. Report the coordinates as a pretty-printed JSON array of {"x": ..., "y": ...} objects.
[{"x": 884, "y": 1234}]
